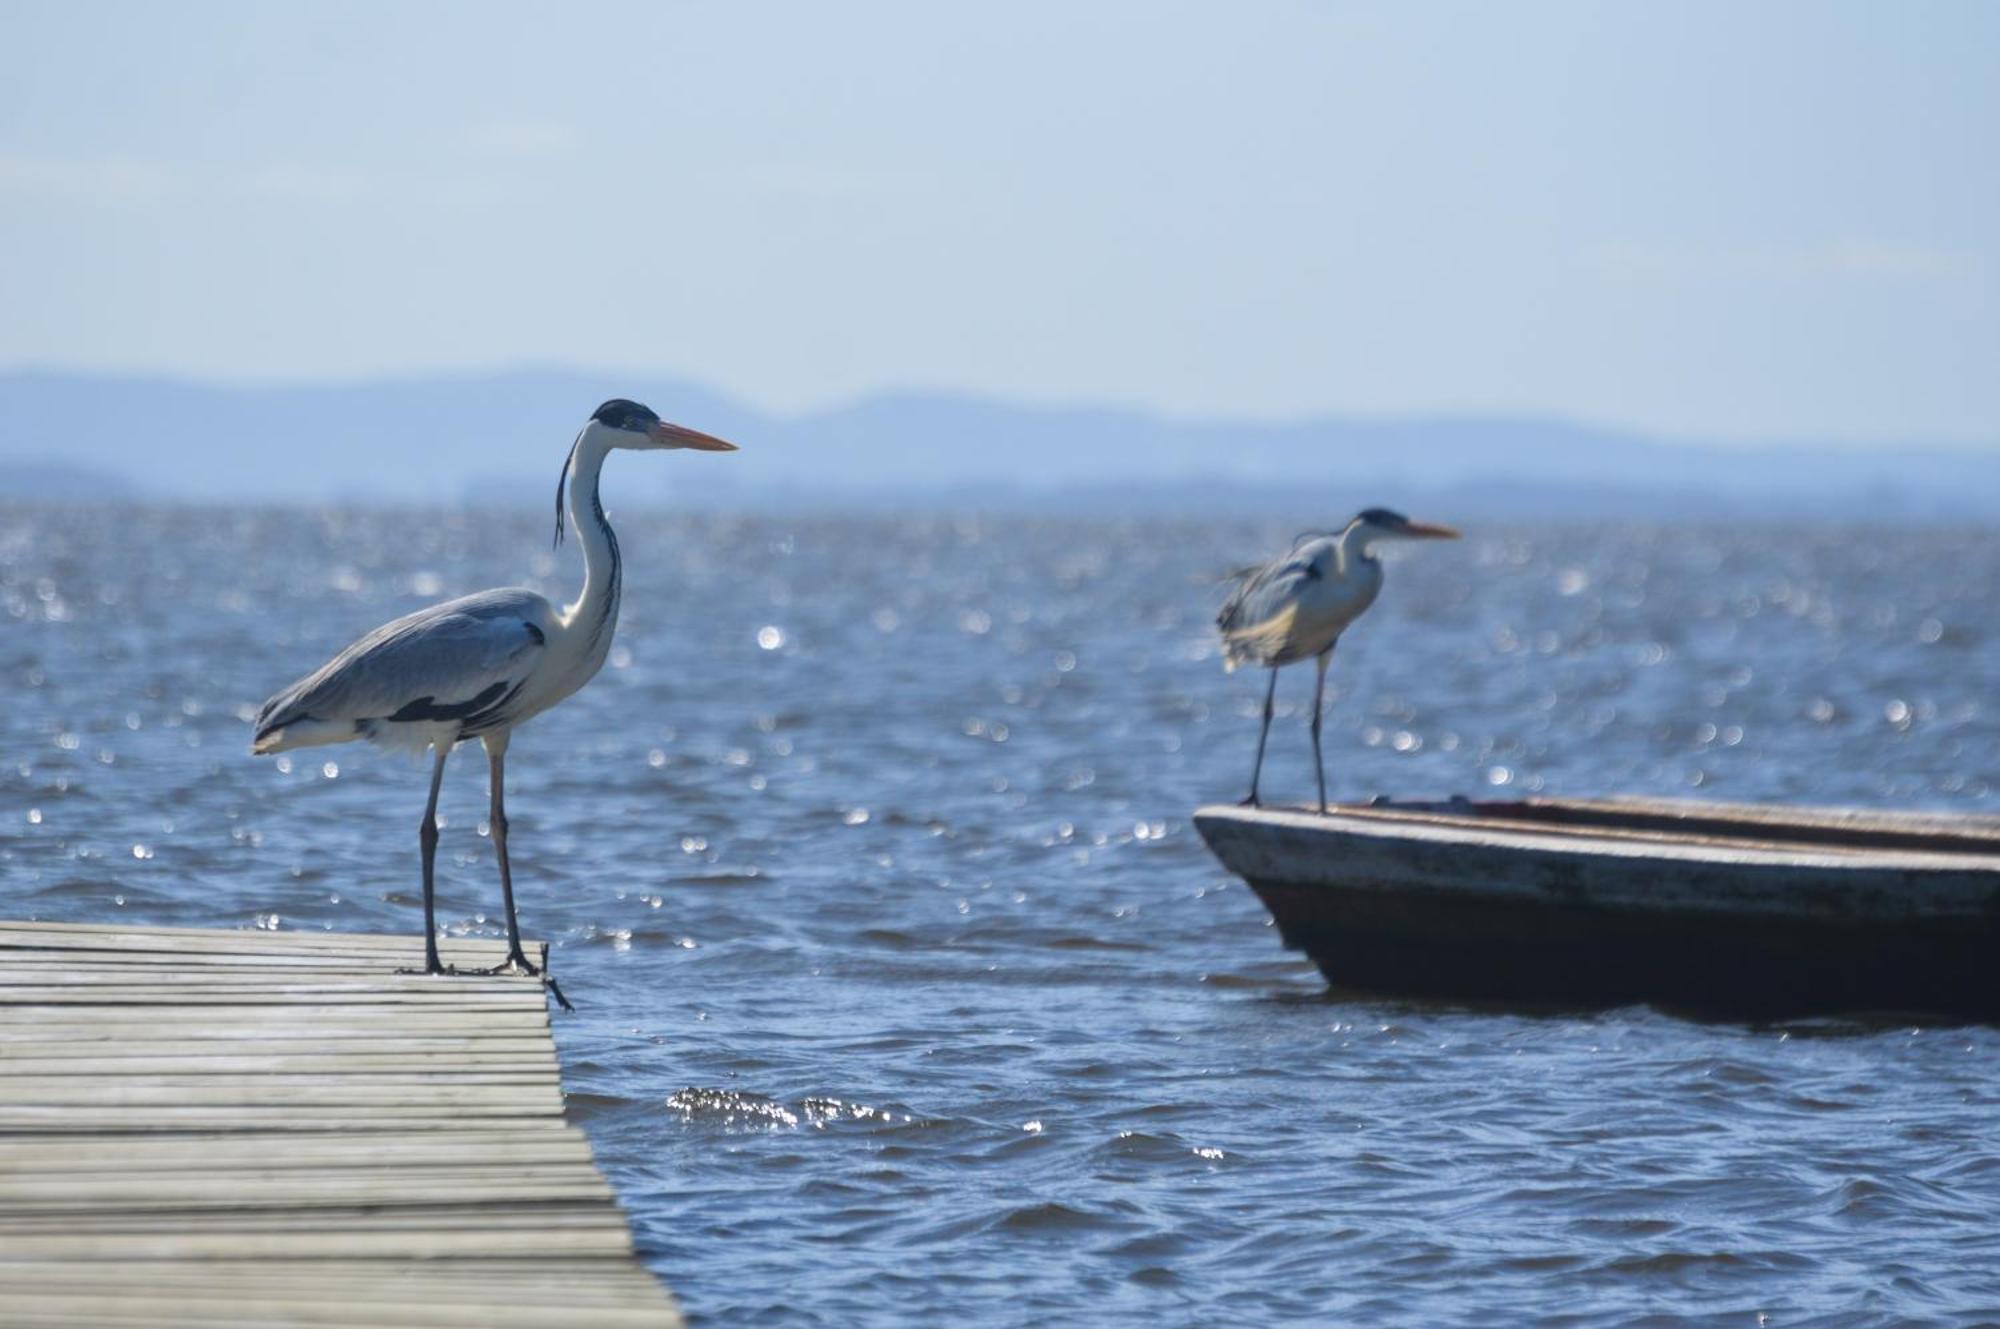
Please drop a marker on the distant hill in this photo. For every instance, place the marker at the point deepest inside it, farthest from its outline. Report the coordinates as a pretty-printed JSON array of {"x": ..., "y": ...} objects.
[
  {"x": 59, "y": 481},
  {"x": 501, "y": 438}
]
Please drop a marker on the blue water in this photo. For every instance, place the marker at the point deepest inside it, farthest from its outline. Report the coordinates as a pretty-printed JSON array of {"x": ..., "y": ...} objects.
[{"x": 908, "y": 995}]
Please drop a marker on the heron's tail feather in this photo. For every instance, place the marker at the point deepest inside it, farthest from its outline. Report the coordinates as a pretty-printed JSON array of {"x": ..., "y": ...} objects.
[
  {"x": 1258, "y": 642},
  {"x": 302, "y": 733},
  {"x": 1237, "y": 576}
]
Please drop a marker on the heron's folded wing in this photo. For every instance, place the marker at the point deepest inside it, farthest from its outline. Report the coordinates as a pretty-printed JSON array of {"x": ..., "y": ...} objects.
[
  {"x": 1263, "y": 595},
  {"x": 435, "y": 664},
  {"x": 1257, "y": 620}
]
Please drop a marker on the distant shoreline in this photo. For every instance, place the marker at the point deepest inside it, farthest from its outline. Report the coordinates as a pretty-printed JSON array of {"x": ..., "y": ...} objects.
[{"x": 499, "y": 439}]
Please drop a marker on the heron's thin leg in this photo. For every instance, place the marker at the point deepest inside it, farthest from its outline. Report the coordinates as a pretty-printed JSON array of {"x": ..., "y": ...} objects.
[
  {"x": 1319, "y": 692},
  {"x": 1257, "y": 771},
  {"x": 427, "y": 836},
  {"x": 496, "y": 764}
]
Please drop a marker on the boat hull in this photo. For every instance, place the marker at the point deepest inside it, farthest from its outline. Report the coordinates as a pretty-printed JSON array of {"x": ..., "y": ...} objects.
[{"x": 1821, "y": 912}]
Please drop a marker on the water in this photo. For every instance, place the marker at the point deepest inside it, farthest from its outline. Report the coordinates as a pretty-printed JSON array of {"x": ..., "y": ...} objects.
[{"x": 908, "y": 995}]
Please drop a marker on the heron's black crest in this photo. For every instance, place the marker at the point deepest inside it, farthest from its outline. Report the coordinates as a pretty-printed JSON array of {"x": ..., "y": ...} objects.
[
  {"x": 561, "y": 481},
  {"x": 1382, "y": 517},
  {"x": 622, "y": 414}
]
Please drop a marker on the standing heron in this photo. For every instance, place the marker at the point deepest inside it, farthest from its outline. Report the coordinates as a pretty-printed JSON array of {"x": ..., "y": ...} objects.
[
  {"x": 1297, "y": 605},
  {"x": 478, "y": 666}
]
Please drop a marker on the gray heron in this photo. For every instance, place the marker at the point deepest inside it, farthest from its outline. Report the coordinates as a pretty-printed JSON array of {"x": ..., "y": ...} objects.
[
  {"x": 478, "y": 666},
  {"x": 1295, "y": 607}
]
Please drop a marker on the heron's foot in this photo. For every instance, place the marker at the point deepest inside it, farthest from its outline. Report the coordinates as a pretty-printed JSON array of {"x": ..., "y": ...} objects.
[
  {"x": 1250, "y": 802},
  {"x": 516, "y": 965},
  {"x": 549, "y": 982},
  {"x": 513, "y": 967},
  {"x": 433, "y": 970}
]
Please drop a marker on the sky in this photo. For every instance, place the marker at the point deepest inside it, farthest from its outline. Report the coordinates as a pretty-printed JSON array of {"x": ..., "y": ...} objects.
[{"x": 1718, "y": 220}]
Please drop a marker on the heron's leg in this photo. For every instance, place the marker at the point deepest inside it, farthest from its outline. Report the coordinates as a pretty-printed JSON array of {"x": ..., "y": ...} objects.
[
  {"x": 1257, "y": 771},
  {"x": 427, "y": 836},
  {"x": 496, "y": 765},
  {"x": 1319, "y": 692}
]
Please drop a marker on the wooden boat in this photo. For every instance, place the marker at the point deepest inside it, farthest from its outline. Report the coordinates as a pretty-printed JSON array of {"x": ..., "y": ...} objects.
[{"x": 1605, "y": 901}]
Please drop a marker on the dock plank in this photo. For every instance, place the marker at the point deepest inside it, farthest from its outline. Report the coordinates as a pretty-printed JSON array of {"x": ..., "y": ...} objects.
[{"x": 216, "y": 1127}]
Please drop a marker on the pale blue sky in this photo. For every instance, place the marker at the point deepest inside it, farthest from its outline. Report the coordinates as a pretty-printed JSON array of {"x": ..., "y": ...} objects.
[{"x": 1720, "y": 219}]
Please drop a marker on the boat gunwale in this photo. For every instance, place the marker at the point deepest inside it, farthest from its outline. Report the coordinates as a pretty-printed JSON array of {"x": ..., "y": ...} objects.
[
  {"x": 1802, "y": 816},
  {"x": 1442, "y": 823}
]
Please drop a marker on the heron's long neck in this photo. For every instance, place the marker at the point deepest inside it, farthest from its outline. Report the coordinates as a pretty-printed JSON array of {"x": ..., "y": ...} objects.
[
  {"x": 1354, "y": 550},
  {"x": 595, "y": 613}
]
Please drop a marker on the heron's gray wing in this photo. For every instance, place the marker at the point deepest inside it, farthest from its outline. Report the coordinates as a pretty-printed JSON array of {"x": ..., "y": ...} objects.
[
  {"x": 1262, "y": 592},
  {"x": 439, "y": 663},
  {"x": 1257, "y": 617}
]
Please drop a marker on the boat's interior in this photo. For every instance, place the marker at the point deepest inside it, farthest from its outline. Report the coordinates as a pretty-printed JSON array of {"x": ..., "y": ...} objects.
[{"x": 1767, "y": 824}]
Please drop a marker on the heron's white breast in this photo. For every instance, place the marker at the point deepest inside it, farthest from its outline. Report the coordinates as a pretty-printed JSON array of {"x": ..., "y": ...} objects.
[
  {"x": 570, "y": 662},
  {"x": 1328, "y": 604}
]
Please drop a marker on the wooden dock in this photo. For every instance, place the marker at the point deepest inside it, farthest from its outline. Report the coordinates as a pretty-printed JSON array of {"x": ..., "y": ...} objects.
[{"x": 207, "y": 1128}]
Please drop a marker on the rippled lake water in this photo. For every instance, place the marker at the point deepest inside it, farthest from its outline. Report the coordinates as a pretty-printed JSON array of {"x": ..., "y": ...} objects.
[{"x": 907, "y": 993}]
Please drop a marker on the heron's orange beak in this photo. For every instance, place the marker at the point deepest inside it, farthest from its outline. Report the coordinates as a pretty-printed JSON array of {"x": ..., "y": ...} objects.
[
  {"x": 1424, "y": 530},
  {"x": 679, "y": 436}
]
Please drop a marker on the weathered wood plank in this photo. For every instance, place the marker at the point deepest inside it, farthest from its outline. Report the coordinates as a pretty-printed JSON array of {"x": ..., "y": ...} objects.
[
  {"x": 531, "y": 1273},
  {"x": 435, "y": 1065},
  {"x": 98, "y": 936},
  {"x": 99, "y": 1200},
  {"x": 252, "y": 1241},
  {"x": 147, "y": 964},
  {"x": 531, "y": 1216},
  {"x": 465, "y": 995},
  {"x": 399, "y": 952},
  {"x": 475, "y": 1144},
  {"x": 307, "y": 1091},
  {"x": 225, "y": 977},
  {"x": 66, "y": 1024},
  {"x": 218, "y": 1127},
  {"x": 596, "y": 1282},
  {"x": 174, "y": 1311},
  {"x": 45, "y": 1183},
  {"x": 411, "y": 1087},
  {"x": 176, "y": 1046},
  {"x": 274, "y": 1117}
]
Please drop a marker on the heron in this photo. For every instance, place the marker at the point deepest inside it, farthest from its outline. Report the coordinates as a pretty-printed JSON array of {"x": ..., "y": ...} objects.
[
  {"x": 481, "y": 665},
  {"x": 1295, "y": 606}
]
